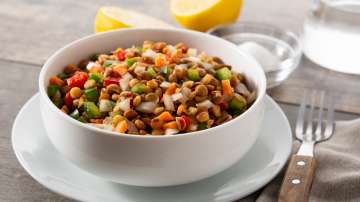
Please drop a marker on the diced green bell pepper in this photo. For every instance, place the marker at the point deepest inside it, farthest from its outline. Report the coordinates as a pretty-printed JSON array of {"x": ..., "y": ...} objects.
[
  {"x": 138, "y": 88},
  {"x": 92, "y": 110},
  {"x": 130, "y": 62},
  {"x": 97, "y": 77},
  {"x": 237, "y": 105},
  {"x": 165, "y": 71},
  {"x": 75, "y": 114},
  {"x": 223, "y": 73},
  {"x": 193, "y": 74},
  {"x": 63, "y": 76},
  {"x": 52, "y": 90},
  {"x": 91, "y": 94},
  {"x": 151, "y": 71}
]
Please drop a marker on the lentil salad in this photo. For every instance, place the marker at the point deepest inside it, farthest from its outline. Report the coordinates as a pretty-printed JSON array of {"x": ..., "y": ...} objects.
[{"x": 156, "y": 88}]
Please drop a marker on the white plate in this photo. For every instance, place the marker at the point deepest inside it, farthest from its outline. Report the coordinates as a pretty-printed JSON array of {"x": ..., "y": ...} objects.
[{"x": 261, "y": 164}]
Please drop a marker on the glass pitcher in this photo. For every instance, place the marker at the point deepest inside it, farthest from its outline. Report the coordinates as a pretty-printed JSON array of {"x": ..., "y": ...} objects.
[{"x": 331, "y": 34}]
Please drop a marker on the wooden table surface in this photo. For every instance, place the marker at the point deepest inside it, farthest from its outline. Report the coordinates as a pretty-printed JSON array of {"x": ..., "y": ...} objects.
[{"x": 31, "y": 30}]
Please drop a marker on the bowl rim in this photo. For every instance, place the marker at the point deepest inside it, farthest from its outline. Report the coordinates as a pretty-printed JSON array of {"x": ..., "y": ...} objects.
[{"x": 261, "y": 87}]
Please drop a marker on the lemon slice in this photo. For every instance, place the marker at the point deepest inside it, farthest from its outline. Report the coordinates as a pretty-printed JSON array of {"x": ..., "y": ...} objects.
[
  {"x": 202, "y": 15},
  {"x": 110, "y": 18}
]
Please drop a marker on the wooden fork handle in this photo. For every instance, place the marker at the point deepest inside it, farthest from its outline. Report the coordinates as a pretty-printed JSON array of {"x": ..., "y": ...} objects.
[{"x": 298, "y": 179}]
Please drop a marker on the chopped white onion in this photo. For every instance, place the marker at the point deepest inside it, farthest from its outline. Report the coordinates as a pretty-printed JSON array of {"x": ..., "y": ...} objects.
[
  {"x": 207, "y": 65},
  {"x": 165, "y": 84},
  {"x": 146, "y": 107},
  {"x": 105, "y": 105},
  {"x": 171, "y": 48},
  {"x": 168, "y": 102},
  {"x": 171, "y": 131},
  {"x": 242, "y": 89},
  {"x": 90, "y": 65},
  {"x": 139, "y": 69},
  {"x": 185, "y": 92},
  {"x": 149, "y": 53},
  {"x": 205, "y": 104},
  {"x": 192, "y": 52},
  {"x": 177, "y": 96},
  {"x": 124, "y": 105},
  {"x": 124, "y": 82},
  {"x": 193, "y": 59},
  {"x": 127, "y": 76}
]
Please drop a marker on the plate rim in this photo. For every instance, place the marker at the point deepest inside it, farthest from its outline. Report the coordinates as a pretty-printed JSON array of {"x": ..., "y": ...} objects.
[{"x": 232, "y": 197}]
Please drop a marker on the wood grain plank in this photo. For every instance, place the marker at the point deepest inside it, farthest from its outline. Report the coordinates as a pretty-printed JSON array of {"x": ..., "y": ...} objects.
[
  {"x": 20, "y": 83},
  {"x": 31, "y": 30},
  {"x": 344, "y": 87}
]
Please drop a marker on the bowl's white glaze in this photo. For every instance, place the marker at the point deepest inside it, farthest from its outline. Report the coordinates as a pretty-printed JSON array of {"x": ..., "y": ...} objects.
[{"x": 152, "y": 160}]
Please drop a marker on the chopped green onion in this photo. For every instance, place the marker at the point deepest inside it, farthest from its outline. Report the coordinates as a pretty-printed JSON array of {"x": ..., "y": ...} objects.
[
  {"x": 75, "y": 114},
  {"x": 223, "y": 73},
  {"x": 151, "y": 71},
  {"x": 193, "y": 74},
  {"x": 138, "y": 88},
  {"x": 165, "y": 71},
  {"x": 202, "y": 126},
  {"x": 52, "y": 90},
  {"x": 82, "y": 119},
  {"x": 63, "y": 76},
  {"x": 130, "y": 62},
  {"x": 108, "y": 63},
  {"x": 97, "y": 77},
  {"x": 91, "y": 94},
  {"x": 92, "y": 110}
]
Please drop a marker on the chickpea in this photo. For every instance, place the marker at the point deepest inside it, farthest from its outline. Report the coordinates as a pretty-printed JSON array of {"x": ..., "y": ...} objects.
[
  {"x": 139, "y": 124},
  {"x": 156, "y": 123},
  {"x": 192, "y": 111},
  {"x": 216, "y": 110},
  {"x": 188, "y": 84},
  {"x": 172, "y": 77},
  {"x": 136, "y": 101},
  {"x": 203, "y": 116},
  {"x": 152, "y": 84},
  {"x": 151, "y": 97},
  {"x": 75, "y": 92},
  {"x": 158, "y": 110},
  {"x": 115, "y": 97},
  {"x": 130, "y": 114},
  {"x": 133, "y": 82},
  {"x": 113, "y": 88},
  {"x": 201, "y": 90},
  {"x": 157, "y": 132},
  {"x": 207, "y": 79}
]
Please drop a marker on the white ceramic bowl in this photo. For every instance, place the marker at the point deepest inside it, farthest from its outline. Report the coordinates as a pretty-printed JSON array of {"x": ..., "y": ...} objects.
[{"x": 152, "y": 160}]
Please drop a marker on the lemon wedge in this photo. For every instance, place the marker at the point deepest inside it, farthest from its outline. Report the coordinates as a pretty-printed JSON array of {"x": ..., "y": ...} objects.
[
  {"x": 202, "y": 15},
  {"x": 110, "y": 18}
]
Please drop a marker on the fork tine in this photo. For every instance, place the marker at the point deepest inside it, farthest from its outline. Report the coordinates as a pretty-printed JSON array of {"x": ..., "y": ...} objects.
[
  {"x": 320, "y": 117},
  {"x": 330, "y": 119},
  {"x": 299, "y": 130},
  {"x": 309, "y": 128}
]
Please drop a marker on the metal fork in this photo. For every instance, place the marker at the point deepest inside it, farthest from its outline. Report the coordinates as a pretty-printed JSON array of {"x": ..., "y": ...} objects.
[{"x": 310, "y": 129}]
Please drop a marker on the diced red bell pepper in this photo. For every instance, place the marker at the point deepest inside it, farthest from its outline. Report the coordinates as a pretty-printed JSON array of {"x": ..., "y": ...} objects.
[
  {"x": 77, "y": 80},
  {"x": 68, "y": 100},
  {"x": 184, "y": 122},
  {"x": 121, "y": 55},
  {"x": 111, "y": 80}
]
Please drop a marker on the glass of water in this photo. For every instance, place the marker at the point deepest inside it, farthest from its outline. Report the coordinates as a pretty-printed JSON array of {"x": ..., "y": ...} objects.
[{"x": 331, "y": 34}]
